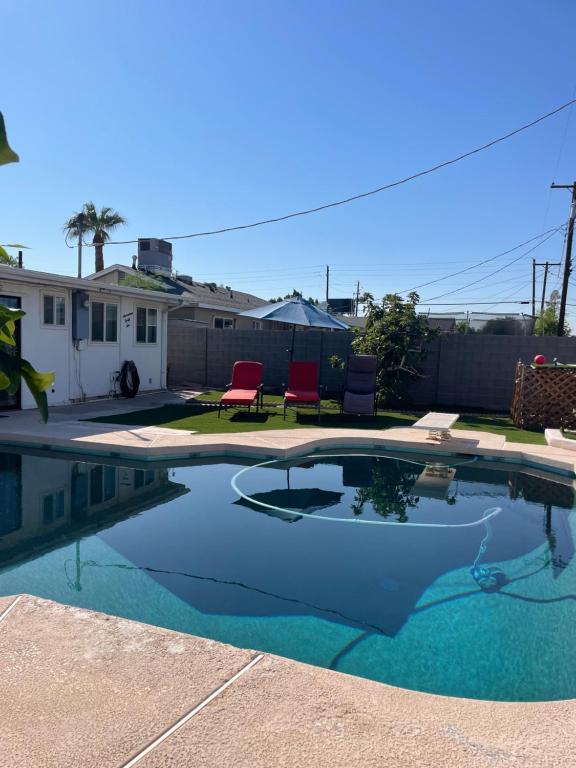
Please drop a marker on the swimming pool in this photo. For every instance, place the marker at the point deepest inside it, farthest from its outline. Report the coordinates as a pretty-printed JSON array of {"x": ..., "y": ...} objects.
[{"x": 454, "y": 576}]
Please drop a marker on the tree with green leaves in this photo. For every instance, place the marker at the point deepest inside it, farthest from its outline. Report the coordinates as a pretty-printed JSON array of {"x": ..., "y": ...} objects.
[
  {"x": 12, "y": 367},
  {"x": 398, "y": 336},
  {"x": 390, "y": 492},
  {"x": 463, "y": 326},
  {"x": 547, "y": 322},
  {"x": 97, "y": 223}
]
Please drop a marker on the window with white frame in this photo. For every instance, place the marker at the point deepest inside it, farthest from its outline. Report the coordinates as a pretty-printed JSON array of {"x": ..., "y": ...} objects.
[
  {"x": 103, "y": 321},
  {"x": 146, "y": 325},
  {"x": 53, "y": 309},
  {"x": 223, "y": 322},
  {"x": 257, "y": 325}
]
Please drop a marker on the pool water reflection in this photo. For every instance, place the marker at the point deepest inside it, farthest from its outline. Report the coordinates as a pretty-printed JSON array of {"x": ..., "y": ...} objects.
[{"x": 483, "y": 611}]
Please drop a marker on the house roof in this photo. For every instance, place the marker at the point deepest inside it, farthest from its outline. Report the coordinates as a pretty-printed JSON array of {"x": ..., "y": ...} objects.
[
  {"x": 16, "y": 275},
  {"x": 353, "y": 321},
  {"x": 207, "y": 295}
]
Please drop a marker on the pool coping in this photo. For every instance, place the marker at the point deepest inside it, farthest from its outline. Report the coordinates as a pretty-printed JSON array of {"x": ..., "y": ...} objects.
[
  {"x": 162, "y": 444},
  {"x": 202, "y": 702}
]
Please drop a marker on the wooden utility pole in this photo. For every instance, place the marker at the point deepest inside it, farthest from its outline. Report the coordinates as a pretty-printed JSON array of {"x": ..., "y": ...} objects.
[
  {"x": 546, "y": 265},
  {"x": 567, "y": 256},
  {"x": 534, "y": 288},
  {"x": 327, "y": 283},
  {"x": 80, "y": 233},
  {"x": 543, "y": 295},
  {"x": 357, "y": 299}
]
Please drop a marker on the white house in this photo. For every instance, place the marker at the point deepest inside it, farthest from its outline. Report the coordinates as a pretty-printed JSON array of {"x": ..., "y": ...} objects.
[{"x": 84, "y": 331}]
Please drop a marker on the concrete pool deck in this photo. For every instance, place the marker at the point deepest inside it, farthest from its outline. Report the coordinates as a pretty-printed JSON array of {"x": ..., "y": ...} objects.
[
  {"x": 68, "y": 430},
  {"x": 84, "y": 688}
]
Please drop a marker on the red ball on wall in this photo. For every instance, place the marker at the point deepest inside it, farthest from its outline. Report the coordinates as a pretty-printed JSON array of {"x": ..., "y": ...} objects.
[{"x": 539, "y": 360}]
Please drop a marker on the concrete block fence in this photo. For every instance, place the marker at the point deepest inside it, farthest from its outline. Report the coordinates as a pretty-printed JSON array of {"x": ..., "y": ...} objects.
[{"x": 461, "y": 371}]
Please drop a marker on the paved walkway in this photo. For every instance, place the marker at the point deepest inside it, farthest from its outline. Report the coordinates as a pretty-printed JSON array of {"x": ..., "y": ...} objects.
[{"x": 84, "y": 689}]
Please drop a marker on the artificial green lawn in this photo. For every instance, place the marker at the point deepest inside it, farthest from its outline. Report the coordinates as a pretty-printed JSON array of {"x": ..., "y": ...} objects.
[{"x": 201, "y": 416}]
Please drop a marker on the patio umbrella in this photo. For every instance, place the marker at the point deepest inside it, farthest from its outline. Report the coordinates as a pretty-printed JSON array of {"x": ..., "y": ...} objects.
[
  {"x": 297, "y": 499},
  {"x": 296, "y": 312}
]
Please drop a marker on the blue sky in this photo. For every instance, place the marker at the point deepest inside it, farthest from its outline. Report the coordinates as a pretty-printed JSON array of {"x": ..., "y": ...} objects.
[{"x": 188, "y": 115}]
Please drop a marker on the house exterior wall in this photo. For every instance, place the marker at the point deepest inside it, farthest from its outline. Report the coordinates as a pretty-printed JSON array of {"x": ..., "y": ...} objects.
[
  {"x": 206, "y": 317},
  {"x": 85, "y": 369}
]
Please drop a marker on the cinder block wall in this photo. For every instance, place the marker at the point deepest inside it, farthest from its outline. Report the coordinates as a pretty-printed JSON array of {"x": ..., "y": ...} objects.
[
  {"x": 477, "y": 370},
  {"x": 205, "y": 356},
  {"x": 461, "y": 371}
]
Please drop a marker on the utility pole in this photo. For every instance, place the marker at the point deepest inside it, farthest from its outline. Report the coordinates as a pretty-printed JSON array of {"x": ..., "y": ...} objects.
[
  {"x": 357, "y": 298},
  {"x": 543, "y": 297},
  {"x": 567, "y": 255},
  {"x": 534, "y": 288},
  {"x": 546, "y": 265},
  {"x": 327, "y": 283},
  {"x": 80, "y": 231}
]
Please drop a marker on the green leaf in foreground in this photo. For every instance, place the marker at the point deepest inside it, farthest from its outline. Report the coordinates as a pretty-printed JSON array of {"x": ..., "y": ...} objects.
[
  {"x": 38, "y": 383},
  {"x": 8, "y": 319},
  {"x": 13, "y": 369},
  {"x": 7, "y": 155}
]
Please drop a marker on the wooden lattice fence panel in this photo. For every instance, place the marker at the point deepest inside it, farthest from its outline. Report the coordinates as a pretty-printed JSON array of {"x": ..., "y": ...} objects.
[{"x": 544, "y": 397}]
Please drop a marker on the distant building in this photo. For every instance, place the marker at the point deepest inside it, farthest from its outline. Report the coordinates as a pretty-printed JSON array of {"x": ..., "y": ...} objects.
[
  {"x": 504, "y": 323},
  {"x": 207, "y": 305}
]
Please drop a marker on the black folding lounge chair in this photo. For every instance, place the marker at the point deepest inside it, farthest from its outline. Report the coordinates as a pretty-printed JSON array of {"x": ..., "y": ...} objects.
[{"x": 359, "y": 391}]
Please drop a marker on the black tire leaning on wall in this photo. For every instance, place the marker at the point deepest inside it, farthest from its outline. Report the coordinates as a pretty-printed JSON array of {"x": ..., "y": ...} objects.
[{"x": 129, "y": 379}]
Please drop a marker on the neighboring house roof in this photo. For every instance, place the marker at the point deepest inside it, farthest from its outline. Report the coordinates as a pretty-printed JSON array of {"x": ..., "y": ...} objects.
[
  {"x": 352, "y": 320},
  {"x": 207, "y": 295},
  {"x": 16, "y": 275}
]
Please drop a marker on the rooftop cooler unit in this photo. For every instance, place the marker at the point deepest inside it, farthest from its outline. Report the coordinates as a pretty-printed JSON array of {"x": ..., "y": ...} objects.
[{"x": 155, "y": 255}]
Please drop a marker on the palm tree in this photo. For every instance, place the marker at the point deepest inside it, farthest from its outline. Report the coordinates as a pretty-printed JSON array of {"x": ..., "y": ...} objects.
[{"x": 100, "y": 224}]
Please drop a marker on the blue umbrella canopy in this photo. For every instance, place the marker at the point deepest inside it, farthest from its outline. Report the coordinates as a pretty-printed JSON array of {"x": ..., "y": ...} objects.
[{"x": 296, "y": 312}]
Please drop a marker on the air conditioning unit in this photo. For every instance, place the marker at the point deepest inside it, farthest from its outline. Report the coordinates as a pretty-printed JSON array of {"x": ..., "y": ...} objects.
[{"x": 155, "y": 255}]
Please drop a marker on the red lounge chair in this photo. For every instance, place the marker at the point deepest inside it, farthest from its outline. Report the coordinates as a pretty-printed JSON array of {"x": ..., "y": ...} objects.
[
  {"x": 245, "y": 389},
  {"x": 303, "y": 386}
]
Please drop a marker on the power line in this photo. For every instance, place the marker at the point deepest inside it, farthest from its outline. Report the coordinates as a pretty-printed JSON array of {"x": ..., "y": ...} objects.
[
  {"x": 361, "y": 195},
  {"x": 486, "y": 261},
  {"x": 496, "y": 271},
  {"x": 470, "y": 303},
  {"x": 266, "y": 270}
]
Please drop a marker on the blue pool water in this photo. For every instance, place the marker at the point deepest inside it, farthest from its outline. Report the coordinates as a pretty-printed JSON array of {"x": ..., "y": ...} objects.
[{"x": 455, "y": 577}]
